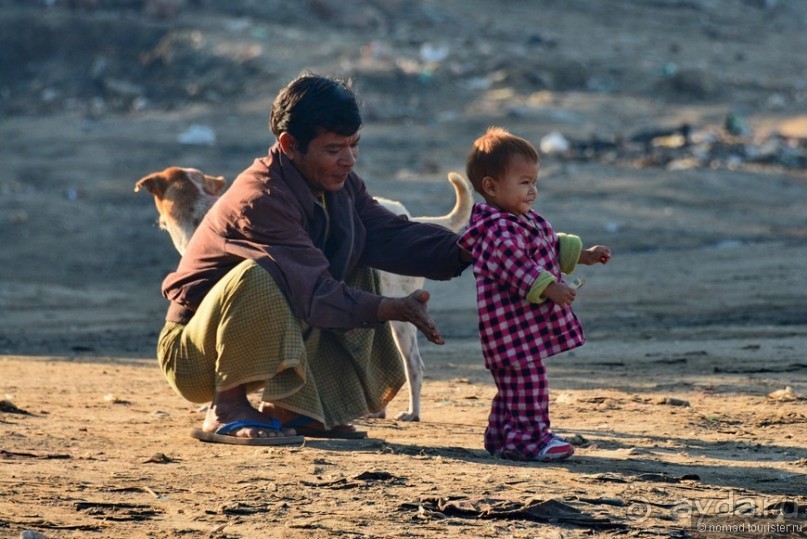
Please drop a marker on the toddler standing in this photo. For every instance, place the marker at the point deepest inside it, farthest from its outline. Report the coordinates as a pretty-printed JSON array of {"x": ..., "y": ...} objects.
[{"x": 525, "y": 312}]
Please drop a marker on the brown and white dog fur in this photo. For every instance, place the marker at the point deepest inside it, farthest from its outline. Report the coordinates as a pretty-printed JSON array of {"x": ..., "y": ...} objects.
[{"x": 184, "y": 195}]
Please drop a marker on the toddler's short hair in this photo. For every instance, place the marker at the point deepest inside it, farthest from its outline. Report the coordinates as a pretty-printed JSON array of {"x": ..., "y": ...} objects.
[{"x": 491, "y": 154}]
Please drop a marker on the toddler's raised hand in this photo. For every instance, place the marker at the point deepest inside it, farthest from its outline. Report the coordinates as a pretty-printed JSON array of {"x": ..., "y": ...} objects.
[{"x": 598, "y": 254}]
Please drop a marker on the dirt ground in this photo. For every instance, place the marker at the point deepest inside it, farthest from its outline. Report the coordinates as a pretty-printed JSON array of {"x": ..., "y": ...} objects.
[{"x": 687, "y": 405}]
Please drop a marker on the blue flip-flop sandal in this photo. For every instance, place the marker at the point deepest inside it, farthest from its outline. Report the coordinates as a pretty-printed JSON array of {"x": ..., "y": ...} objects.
[
  {"x": 303, "y": 425},
  {"x": 222, "y": 434}
]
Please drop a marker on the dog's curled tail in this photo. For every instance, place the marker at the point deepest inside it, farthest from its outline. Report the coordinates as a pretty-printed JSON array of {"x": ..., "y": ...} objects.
[{"x": 460, "y": 214}]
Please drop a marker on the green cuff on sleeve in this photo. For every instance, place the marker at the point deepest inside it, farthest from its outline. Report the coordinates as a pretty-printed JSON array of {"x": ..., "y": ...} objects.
[
  {"x": 537, "y": 289},
  {"x": 570, "y": 248}
]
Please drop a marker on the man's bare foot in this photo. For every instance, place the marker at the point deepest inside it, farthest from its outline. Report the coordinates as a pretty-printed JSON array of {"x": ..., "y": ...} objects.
[
  {"x": 281, "y": 414},
  {"x": 231, "y": 406},
  {"x": 310, "y": 427}
]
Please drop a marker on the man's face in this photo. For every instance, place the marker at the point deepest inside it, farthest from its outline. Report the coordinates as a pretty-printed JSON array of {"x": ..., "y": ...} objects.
[{"x": 328, "y": 161}]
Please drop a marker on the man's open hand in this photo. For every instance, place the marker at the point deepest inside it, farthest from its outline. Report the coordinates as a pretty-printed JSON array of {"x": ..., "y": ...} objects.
[{"x": 411, "y": 308}]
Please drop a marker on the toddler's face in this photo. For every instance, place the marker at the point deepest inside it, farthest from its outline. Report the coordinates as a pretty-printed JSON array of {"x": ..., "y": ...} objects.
[{"x": 516, "y": 191}]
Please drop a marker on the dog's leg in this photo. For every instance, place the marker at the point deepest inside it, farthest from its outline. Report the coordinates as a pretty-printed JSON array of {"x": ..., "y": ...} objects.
[{"x": 405, "y": 335}]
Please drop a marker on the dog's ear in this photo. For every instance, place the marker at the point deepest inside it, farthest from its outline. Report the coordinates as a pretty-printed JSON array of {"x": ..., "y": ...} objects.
[
  {"x": 214, "y": 185},
  {"x": 154, "y": 183}
]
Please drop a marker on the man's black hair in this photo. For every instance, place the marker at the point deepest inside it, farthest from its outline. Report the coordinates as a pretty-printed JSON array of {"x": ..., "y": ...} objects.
[{"x": 312, "y": 104}]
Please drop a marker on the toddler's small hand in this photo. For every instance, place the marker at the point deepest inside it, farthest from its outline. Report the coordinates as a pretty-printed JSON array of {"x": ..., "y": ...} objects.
[{"x": 560, "y": 294}]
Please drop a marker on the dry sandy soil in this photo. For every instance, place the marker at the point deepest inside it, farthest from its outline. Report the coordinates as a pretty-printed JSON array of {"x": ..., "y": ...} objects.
[{"x": 687, "y": 404}]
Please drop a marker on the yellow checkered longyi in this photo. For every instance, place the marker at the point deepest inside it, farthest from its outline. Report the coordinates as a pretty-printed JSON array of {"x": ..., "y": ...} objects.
[{"x": 244, "y": 332}]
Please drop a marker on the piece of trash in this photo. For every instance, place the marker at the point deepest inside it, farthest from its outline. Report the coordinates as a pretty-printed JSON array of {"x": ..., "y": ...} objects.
[
  {"x": 477, "y": 83},
  {"x": 49, "y": 95},
  {"x": 139, "y": 103},
  {"x": 785, "y": 394},
  {"x": 669, "y": 69},
  {"x": 537, "y": 40},
  {"x": 671, "y": 141},
  {"x": 198, "y": 135},
  {"x": 554, "y": 142},
  {"x": 24, "y": 454},
  {"x": 375, "y": 476},
  {"x": 664, "y": 477},
  {"x": 672, "y": 401},
  {"x": 535, "y": 510},
  {"x": 114, "y": 399},
  {"x": 577, "y": 440},
  {"x": 735, "y": 124},
  {"x": 10, "y": 408},
  {"x": 433, "y": 54},
  {"x": 158, "y": 458},
  {"x": 335, "y": 484},
  {"x": 240, "y": 509}
]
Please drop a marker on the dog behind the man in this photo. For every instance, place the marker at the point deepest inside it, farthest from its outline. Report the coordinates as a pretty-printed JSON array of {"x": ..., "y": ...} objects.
[{"x": 184, "y": 195}]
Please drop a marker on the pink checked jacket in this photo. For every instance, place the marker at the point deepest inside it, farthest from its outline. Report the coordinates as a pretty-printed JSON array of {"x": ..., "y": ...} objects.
[{"x": 510, "y": 254}]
